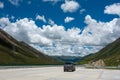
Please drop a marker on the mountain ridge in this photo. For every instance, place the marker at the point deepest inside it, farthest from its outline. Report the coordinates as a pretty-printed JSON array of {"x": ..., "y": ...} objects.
[
  {"x": 109, "y": 54},
  {"x": 16, "y": 52}
]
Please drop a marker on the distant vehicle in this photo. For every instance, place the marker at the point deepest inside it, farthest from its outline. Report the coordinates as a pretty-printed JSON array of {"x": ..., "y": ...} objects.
[{"x": 69, "y": 66}]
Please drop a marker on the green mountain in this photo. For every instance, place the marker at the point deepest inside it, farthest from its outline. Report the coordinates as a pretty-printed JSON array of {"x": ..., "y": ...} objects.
[
  {"x": 13, "y": 52},
  {"x": 109, "y": 54}
]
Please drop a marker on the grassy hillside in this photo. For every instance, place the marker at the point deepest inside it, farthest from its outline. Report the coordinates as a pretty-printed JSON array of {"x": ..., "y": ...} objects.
[
  {"x": 13, "y": 52},
  {"x": 110, "y": 54}
]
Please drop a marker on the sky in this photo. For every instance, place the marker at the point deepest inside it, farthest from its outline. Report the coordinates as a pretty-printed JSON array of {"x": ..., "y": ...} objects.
[{"x": 62, "y": 27}]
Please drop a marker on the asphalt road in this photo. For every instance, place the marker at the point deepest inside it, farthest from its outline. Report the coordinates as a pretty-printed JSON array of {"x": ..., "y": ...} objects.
[{"x": 56, "y": 73}]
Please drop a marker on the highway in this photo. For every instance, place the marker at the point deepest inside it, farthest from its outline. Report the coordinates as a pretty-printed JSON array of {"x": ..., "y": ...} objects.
[{"x": 56, "y": 73}]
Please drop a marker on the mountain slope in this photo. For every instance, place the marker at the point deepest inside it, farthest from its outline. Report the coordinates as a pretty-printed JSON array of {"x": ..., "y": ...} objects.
[
  {"x": 110, "y": 54},
  {"x": 15, "y": 52}
]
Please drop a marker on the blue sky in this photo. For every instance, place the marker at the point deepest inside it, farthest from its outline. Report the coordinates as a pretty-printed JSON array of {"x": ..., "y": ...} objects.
[
  {"x": 76, "y": 18},
  {"x": 53, "y": 11}
]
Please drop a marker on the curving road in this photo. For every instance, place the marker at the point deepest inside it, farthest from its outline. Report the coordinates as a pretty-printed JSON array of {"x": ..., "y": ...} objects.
[{"x": 56, "y": 73}]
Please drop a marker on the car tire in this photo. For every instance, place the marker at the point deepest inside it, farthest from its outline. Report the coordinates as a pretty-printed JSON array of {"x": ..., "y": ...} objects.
[{"x": 64, "y": 70}]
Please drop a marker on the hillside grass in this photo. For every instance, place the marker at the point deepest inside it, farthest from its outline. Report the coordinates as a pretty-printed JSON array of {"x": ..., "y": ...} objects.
[
  {"x": 110, "y": 54},
  {"x": 13, "y": 52}
]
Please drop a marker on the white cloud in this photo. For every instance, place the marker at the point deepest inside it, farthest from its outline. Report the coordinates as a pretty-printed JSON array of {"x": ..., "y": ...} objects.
[
  {"x": 51, "y": 22},
  {"x": 42, "y": 18},
  {"x": 52, "y": 1},
  {"x": 15, "y": 2},
  {"x": 68, "y": 19},
  {"x": 29, "y": 2},
  {"x": 1, "y": 5},
  {"x": 70, "y": 6},
  {"x": 27, "y": 28},
  {"x": 12, "y": 17},
  {"x": 99, "y": 33},
  {"x": 113, "y": 9},
  {"x": 56, "y": 40},
  {"x": 82, "y": 11},
  {"x": 4, "y": 22}
]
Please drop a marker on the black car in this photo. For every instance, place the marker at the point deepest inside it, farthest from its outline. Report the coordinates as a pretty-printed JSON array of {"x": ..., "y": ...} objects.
[{"x": 69, "y": 66}]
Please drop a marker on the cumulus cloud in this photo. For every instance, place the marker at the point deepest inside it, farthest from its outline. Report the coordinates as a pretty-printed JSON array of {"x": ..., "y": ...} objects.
[
  {"x": 82, "y": 11},
  {"x": 29, "y": 2},
  {"x": 68, "y": 19},
  {"x": 54, "y": 39},
  {"x": 1, "y": 5},
  {"x": 42, "y": 18},
  {"x": 15, "y": 2},
  {"x": 24, "y": 30},
  {"x": 113, "y": 9},
  {"x": 51, "y": 22},
  {"x": 12, "y": 17},
  {"x": 53, "y": 1},
  {"x": 100, "y": 33},
  {"x": 4, "y": 22},
  {"x": 70, "y": 6}
]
